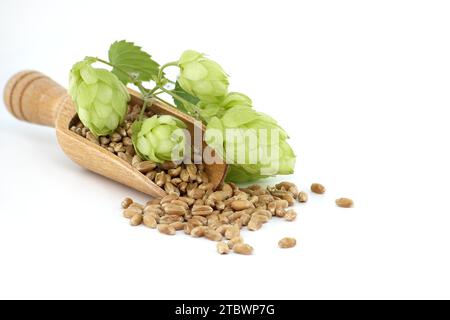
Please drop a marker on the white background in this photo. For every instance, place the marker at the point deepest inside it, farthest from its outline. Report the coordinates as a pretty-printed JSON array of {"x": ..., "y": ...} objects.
[{"x": 361, "y": 86}]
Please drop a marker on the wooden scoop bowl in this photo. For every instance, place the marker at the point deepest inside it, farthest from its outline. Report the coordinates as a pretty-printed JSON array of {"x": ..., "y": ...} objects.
[{"x": 31, "y": 96}]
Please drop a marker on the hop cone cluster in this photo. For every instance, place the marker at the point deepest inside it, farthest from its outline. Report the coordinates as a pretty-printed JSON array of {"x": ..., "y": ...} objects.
[
  {"x": 221, "y": 110},
  {"x": 266, "y": 155},
  {"x": 101, "y": 99},
  {"x": 159, "y": 138},
  {"x": 202, "y": 77}
]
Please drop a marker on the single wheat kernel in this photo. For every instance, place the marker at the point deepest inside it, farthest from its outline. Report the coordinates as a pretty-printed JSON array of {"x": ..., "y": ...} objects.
[
  {"x": 254, "y": 224},
  {"x": 261, "y": 217},
  {"x": 213, "y": 218},
  {"x": 174, "y": 209},
  {"x": 201, "y": 221},
  {"x": 317, "y": 188},
  {"x": 196, "y": 193},
  {"x": 265, "y": 213},
  {"x": 176, "y": 181},
  {"x": 221, "y": 229},
  {"x": 145, "y": 166},
  {"x": 168, "y": 165},
  {"x": 135, "y": 161},
  {"x": 242, "y": 248},
  {"x": 287, "y": 243},
  {"x": 160, "y": 179},
  {"x": 192, "y": 171},
  {"x": 198, "y": 232},
  {"x": 157, "y": 213},
  {"x": 153, "y": 207},
  {"x": 285, "y": 195},
  {"x": 154, "y": 201},
  {"x": 206, "y": 187},
  {"x": 235, "y": 215},
  {"x": 169, "y": 198},
  {"x": 151, "y": 175},
  {"x": 272, "y": 206},
  {"x": 232, "y": 232},
  {"x": 280, "y": 212},
  {"x": 222, "y": 248},
  {"x": 136, "y": 206},
  {"x": 150, "y": 221},
  {"x": 285, "y": 185},
  {"x": 213, "y": 235},
  {"x": 289, "y": 198},
  {"x": 170, "y": 219},
  {"x": 136, "y": 220},
  {"x": 228, "y": 190},
  {"x": 201, "y": 210},
  {"x": 170, "y": 188},
  {"x": 344, "y": 202},
  {"x": 184, "y": 175},
  {"x": 290, "y": 215},
  {"x": 245, "y": 219},
  {"x": 130, "y": 212},
  {"x": 178, "y": 225},
  {"x": 241, "y": 204},
  {"x": 240, "y": 195},
  {"x": 218, "y": 196},
  {"x": 188, "y": 228},
  {"x": 174, "y": 172},
  {"x": 302, "y": 196},
  {"x": 166, "y": 229},
  {"x": 187, "y": 200},
  {"x": 126, "y": 203},
  {"x": 180, "y": 202},
  {"x": 293, "y": 191},
  {"x": 235, "y": 241},
  {"x": 199, "y": 202},
  {"x": 281, "y": 204},
  {"x": 253, "y": 199}
]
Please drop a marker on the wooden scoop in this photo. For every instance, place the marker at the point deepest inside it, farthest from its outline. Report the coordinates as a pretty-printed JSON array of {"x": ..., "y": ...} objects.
[{"x": 31, "y": 96}]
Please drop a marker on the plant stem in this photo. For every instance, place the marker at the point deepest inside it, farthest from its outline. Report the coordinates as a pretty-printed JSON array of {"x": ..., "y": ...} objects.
[
  {"x": 160, "y": 73},
  {"x": 144, "y": 106},
  {"x": 192, "y": 109}
]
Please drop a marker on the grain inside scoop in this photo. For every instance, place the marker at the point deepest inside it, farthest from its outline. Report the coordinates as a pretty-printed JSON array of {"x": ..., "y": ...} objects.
[{"x": 33, "y": 97}]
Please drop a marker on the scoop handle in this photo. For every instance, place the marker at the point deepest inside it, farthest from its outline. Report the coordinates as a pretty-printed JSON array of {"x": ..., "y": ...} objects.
[{"x": 33, "y": 97}]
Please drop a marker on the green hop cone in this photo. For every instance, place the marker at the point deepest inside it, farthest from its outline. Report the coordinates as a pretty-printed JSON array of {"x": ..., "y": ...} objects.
[
  {"x": 256, "y": 149},
  {"x": 235, "y": 99},
  {"x": 159, "y": 138},
  {"x": 208, "y": 110},
  {"x": 101, "y": 99},
  {"x": 202, "y": 77}
]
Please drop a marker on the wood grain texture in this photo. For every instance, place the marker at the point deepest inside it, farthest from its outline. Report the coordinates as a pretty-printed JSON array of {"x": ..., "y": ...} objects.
[
  {"x": 31, "y": 96},
  {"x": 34, "y": 97}
]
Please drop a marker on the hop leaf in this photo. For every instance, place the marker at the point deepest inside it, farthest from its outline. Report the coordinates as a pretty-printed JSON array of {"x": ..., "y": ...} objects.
[
  {"x": 179, "y": 91},
  {"x": 101, "y": 99},
  {"x": 130, "y": 58},
  {"x": 159, "y": 138}
]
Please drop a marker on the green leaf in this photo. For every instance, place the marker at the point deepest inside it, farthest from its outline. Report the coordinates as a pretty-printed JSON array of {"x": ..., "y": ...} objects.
[
  {"x": 129, "y": 59},
  {"x": 179, "y": 91}
]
